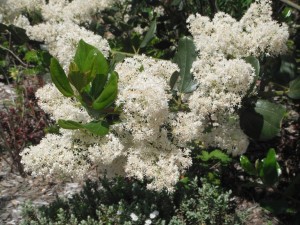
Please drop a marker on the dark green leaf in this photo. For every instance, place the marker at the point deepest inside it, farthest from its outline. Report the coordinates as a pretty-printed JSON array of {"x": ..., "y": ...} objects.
[
  {"x": 60, "y": 79},
  {"x": 270, "y": 170},
  {"x": 262, "y": 122},
  {"x": 77, "y": 79},
  {"x": 18, "y": 34},
  {"x": 149, "y": 35},
  {"x": 294, "y": 91},
  {"x": 174, "y": 79},
  {"x": 109, "y": 93},
  {"x": 272, "y": 115},
  {"x": 254, "y": 63},
  {"x": 184, "y": 58},
  {"x": 98, "y": 85},
  {"x": 247, "y": 165},
  {"x": 287, "y": 70}
]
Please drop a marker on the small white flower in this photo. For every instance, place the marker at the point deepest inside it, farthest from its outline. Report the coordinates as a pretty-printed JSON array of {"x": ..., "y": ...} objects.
[
  {"x": 119, "y": 212},
  {"x": 148, "y": 222},
  {"x": 154, "y": 214},
  {"x": 134, "y": 217}
]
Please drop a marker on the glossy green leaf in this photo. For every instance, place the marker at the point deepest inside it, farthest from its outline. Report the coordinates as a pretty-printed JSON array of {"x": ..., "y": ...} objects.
[
  {"x": 270, "y": 171},
  {"x": 60, "y": 79},
  {"x": 76, "y": 78},
  {"x": 272, "y": 114},
  {"x": 263, "y": 122},
  {"x": 95, "y": 127},
  {"x": 109, "y": 93},
  {"x": 90, "y": 60},
  {"x": 247, "y": 165},
  {"x": 254, "y": 63},
  {"x": 184, "y": 58},
  {"x": 98, "y": 85},
  {"x": 149, "y": 35},
  {"x": 294, "y": 89},
  {"x": 95, "y": 64}
]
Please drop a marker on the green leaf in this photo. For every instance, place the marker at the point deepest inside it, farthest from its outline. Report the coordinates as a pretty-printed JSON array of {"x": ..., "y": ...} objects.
[
  {"x": 150, "y": 34},
  {"x": 98, "y": 85},
  {"x": 109, "y": 93},
  {"x": 174, "y": 79},
  {"x": 76, "y": 78},
  {"x": 254, "y": 63},
  {"x": 184, "y": 58},
  {"x": 90, "y": 60},
  {"x": 95, "y": 127},
  {"x": 247, "y": 165},
  {"x": 287, "y": 70},
  {"x": 294, "y": 90},
  {"x": 272, "y": 115},
  {"x": 270, "y": 171},
  {"x": 263, "y": 122},
  {"x": 215, "y": 155},
  {"x": 69, "y": 124},
  {"x": 60, "y": 79}
]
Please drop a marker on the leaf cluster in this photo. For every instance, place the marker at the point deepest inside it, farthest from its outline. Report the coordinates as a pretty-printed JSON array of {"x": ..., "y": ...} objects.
[{"x": 95, "y": 84}]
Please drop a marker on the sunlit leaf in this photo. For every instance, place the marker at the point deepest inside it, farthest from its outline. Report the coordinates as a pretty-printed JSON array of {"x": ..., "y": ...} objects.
[
  {"x": 60, "y": 79},
  {"x": 247, "y": 165},
  {"x": 109, "y": 93}
]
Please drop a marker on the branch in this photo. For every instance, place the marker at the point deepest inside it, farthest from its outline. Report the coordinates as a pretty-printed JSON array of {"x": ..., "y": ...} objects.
[
  {"x": 292, "y": 4},
  {"x": 14, "y": 55}
]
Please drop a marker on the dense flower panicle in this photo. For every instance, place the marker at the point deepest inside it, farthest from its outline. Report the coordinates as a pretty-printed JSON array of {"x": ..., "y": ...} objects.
[
  {"x": 151, "y": 141},
  {"x": 161, "y": 162},
  {"x": 228, "y": 135},
  {"x": 60, "y": 30},
  {"x": 10, "y": 9},
  {"x": 60, "y": 107},
  {"x": 224, "y": 82},
  {"x": 144, "y": 97},
  {"x": 138, "y": 146},
  {"x": 61, "y": 39},
  {"x": 255, "y": 34},
  {"x": 77, "y": 11}
]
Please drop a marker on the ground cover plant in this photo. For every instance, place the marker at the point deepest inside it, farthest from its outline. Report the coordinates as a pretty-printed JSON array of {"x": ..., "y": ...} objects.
[{"x": 213, "y": 101}]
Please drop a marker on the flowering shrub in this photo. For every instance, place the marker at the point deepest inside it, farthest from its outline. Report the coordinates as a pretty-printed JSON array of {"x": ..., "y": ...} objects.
[{"x": 156, "y": 123}]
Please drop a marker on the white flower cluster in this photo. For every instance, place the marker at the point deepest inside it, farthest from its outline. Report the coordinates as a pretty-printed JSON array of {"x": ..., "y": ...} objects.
[
  {"x": 255, "y": 34},
  {"x": 60, "y": 30},
  {"x": 137, "y": 147},
  {"x": 10, "y": 9},
  {"x": 223, "y": 76},
  {"x": 150, "y": 141},
  {"x": 61, "y": 39}
]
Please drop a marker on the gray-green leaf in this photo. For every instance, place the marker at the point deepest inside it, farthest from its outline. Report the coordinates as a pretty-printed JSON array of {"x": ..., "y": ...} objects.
[
  {"x": 294, "y": 90},
  {"x": 149, "y": 35},
  {"x": 184, "y": 58}
]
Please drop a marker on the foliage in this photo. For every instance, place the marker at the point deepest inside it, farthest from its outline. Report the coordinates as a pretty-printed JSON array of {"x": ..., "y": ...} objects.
[
  {"x": 22, "y": 124},
  {"x": 123, "y": 201},
  {"x": 267, "y": 169}
]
